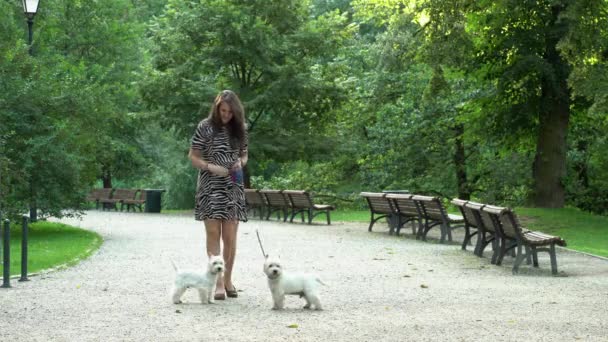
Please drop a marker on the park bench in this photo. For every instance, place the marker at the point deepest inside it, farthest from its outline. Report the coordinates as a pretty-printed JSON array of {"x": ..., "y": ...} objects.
[
  {"x": 406, "y": 211},
  {"x": 378, "y": 205},
  {"x": 95, "y": 195},
  {"x": 255, "y": 201},
  {"x": 276, "y": 202},
  {"x": 469, "y": 223},
  {"x": 485, "y": 228},
  {"x": 118, "y": 195},
  {"x": 301, "y": 202},
  {"x": 434, "y": 214},
  {"x": 138, "y": 200},
  {"x": 528, "y": 243}
]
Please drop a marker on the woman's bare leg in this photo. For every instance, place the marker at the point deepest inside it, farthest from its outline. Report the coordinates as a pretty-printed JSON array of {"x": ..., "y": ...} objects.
[{"x": 229, "y": 234}]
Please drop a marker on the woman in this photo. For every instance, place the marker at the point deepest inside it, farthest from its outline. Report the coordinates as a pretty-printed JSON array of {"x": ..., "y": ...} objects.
[{"x": 219, "y": 152}]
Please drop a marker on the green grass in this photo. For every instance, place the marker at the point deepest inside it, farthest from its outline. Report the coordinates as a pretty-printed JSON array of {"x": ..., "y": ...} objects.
[
  {"x": 582, "y": 231},
  {"x": 52, "y": 245}
]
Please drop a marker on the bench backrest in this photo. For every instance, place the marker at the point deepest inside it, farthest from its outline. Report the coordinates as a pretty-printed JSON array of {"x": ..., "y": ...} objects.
[
  {"x": 431, "y": 207},
  {"x": 467, "y": 213},
  {"x": 404, "y": 204},
  {"x": 482, "y": 219},
  {"x": 275, "y": 198},
  {"x": 505, "y": 220},
  {"x": 104, "y": 193},
  {"x": 253, "y": 197},
  {"x": 378, "y": 203},
  {"x": 124, "y": 194},
  {"x": 299, "y": 199}
]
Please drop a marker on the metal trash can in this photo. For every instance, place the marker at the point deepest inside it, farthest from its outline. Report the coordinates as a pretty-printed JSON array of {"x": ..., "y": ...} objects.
[
  {"x": 393, "y": 219},
  {"x": 153, "y": 200}
]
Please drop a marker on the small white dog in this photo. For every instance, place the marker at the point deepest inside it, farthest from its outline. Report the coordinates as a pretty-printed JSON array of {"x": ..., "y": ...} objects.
[
  {"x": 204, "y": 282},
  {"x": 282, "y": 283}
]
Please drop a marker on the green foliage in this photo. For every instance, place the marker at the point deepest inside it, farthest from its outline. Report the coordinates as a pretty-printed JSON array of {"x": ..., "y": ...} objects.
[
  {"x": 169, "y": 167},
  {"x": 65, "y": 110}
]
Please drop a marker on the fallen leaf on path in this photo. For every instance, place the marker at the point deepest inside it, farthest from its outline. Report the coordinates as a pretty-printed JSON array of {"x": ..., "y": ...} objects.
[
  {"x": 292, "y": 326},
  {"x": 424, "y": 286}
]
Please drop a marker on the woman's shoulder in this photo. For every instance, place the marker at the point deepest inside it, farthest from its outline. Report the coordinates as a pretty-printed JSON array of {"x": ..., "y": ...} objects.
[{"x": 205, "y": 126}]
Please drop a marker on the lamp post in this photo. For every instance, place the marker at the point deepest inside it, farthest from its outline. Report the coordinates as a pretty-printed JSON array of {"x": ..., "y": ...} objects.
[{"x": 30, "y": 7}]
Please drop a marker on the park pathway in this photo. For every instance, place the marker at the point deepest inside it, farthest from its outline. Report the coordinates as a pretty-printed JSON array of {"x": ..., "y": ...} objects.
[{"x": 380, "y": 288}]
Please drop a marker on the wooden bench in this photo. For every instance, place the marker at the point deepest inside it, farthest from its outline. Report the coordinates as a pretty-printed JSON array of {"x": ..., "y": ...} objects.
[
  {"x": 118, "y": 195},
  {"x": 434, "y": 214},
  {"x": 469, "y": 222},
  {"x": 277, "y": 202},
  {"x": 528, "y": 243},
  {"x": 95, "y": 195},
  {"x": 99, "y": 196},
  {"x": 407, "y": 211},
  {"x": 138, "y": 201},
  {"x": 301, "y": 202},
  {"x": 255, "y": 201},
  {"x": 485, "y": 228},
  {"x": 378, "y": 205}
]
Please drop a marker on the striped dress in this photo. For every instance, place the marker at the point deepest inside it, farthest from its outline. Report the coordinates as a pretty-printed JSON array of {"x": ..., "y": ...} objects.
[{"x": 218, "y": 197}]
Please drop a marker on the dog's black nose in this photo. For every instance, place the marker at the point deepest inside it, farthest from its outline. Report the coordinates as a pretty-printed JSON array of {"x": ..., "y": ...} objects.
[{"x": 275, "y": 271}]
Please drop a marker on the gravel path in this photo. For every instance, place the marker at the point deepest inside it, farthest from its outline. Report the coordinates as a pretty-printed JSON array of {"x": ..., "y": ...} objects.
[{"x": 380, "y": 288}]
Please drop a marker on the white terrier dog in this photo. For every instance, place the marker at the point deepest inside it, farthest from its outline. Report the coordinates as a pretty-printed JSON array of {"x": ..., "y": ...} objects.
[
  {"x": 282, "y": 283},
  {"x": 204, "y": 282}
]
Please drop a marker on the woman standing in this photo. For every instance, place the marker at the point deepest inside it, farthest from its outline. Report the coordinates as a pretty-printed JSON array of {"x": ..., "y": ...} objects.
[{"x": 219, "y": 152}]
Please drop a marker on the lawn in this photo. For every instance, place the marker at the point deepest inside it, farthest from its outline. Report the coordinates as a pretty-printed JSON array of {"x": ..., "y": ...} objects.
[{"x": 51, "y": 245}]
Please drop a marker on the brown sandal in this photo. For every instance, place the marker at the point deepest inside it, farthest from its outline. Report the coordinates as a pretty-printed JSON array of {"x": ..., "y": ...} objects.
[{"x": 231, "y": 293}]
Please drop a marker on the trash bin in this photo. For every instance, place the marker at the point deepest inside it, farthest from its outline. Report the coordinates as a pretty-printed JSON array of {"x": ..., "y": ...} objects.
[
  {"x": 153, "y": 200},
  {"x": 393, "y": 219}
]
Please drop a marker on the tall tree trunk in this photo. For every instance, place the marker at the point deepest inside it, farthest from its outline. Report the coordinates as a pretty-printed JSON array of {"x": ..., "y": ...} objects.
[
  {"x": 549, "y": 167},
  {"x": 581, "y": 165},
  {"x": 106, "y": 177},
  {"x": 460, "y": 164}
]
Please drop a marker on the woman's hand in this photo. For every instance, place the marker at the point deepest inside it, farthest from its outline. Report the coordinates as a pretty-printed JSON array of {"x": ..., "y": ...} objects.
[
  {"x": 217, "y": 170},
  {"x": 237, "y": 166}
]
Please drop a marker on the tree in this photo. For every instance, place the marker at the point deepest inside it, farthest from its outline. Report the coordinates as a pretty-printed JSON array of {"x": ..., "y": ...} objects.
[
  {"x": 521, "y": 47},
  {"x": 269, "y": 52}
]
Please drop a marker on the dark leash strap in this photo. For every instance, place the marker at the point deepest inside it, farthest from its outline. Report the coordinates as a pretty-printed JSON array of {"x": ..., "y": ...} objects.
[{"x": 260, "y": 242}]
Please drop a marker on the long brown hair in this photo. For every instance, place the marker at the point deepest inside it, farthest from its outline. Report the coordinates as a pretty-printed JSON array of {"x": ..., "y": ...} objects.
[{"x": 236, "y": 126}]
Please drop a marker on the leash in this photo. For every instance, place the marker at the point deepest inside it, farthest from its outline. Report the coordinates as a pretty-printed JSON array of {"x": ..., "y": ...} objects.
[{"x": 260, "y": 242}]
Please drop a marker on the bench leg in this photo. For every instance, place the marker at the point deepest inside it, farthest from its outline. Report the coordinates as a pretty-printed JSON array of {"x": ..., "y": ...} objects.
[
  {"x": 467, "y": 237},
  {"x": 328, "y": 218},
  {"x": 518, "y": 259},
  {"x": 371, "y": 223},
  {"x": 553, "y": 259},
  {"x": 528, "y": 255},
  {"x": 534, "y": 256},
  {"x": 495, "y": 249}
]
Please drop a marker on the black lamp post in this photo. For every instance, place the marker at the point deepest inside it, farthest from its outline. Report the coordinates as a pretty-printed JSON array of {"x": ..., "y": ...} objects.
[{"x": 30, "y": 7}]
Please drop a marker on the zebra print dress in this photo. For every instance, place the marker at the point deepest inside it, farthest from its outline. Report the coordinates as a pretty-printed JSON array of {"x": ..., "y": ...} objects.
[{"x": 218, "y": 197}]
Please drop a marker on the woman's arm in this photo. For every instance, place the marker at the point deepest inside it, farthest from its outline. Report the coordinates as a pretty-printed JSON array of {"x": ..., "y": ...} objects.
[
  {"x": 197, "y": 159},
  {"x": 198, "y": 163}
]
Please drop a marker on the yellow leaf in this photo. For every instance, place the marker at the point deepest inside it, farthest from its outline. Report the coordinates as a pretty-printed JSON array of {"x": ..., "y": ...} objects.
[{"x": 292, "y": 326}]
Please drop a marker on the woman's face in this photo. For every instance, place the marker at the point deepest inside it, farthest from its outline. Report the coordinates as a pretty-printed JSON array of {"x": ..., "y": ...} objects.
[{"x": 225, "y": 113}]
